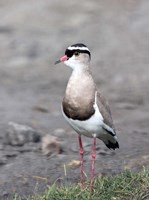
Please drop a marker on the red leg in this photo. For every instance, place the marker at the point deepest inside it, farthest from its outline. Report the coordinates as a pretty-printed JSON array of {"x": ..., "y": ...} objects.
[
  {"x": 81, "y": 157},
  {"x": 93, "y": 162}
]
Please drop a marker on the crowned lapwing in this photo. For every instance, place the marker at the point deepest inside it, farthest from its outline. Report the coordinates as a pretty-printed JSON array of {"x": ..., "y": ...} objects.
[{"x": 83, "y": 106}]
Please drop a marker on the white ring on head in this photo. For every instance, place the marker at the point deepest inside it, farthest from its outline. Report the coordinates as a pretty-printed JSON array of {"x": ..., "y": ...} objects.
[{"x": 80, "y": 48}]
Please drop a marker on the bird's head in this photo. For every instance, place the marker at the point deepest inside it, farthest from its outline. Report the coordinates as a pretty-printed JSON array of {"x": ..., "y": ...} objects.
[{"x": 77, "y": 55}]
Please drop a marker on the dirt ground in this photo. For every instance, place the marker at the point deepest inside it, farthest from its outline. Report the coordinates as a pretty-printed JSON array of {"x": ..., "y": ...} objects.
[{"x": 33, "y": 35}]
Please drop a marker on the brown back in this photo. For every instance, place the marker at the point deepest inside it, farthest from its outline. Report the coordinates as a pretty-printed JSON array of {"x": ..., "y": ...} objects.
[{"x": 105, "y": 110}]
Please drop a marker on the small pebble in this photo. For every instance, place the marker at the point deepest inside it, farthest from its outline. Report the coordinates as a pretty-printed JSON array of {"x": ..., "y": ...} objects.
[
  {"x": 50, "y": 145},
  {"x": 59, "y": 132}
]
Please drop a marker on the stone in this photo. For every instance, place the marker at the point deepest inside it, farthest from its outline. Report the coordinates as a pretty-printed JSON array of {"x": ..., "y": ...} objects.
[
  {"x": 59, "y": 132},
  {"x": 50, "y": 145},
  {"x": 74, "y": 164},
  {"x": 18, "y": 135}
]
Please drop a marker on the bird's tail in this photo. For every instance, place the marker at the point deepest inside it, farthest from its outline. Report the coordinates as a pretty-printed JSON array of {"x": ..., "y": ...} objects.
[
  {"x": 109, "y": 137},
  {"x": 112, "y": 144},
  {"x": 110, "y": 141}
]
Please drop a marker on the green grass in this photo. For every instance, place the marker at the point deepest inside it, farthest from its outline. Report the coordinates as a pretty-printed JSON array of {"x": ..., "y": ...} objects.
[{"x": 125, "y": 186}]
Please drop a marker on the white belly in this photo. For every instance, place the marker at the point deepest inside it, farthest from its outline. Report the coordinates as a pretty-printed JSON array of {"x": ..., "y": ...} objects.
[{"x": 88, "y": 127}]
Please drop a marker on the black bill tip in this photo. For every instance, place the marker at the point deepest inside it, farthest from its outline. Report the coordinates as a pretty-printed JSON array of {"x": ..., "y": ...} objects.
[{"x": 57, "y": 62}]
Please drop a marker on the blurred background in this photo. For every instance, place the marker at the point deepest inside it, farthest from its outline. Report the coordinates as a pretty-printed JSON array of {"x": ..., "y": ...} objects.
[{"x": 33, "y": 35}]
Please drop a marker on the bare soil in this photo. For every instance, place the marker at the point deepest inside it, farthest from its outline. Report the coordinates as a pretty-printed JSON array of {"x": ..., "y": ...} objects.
[{"x": 33, "y": 34}]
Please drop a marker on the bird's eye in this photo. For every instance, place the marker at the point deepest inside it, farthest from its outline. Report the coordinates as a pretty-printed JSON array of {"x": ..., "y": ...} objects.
[{"x": 76, "y": 53}]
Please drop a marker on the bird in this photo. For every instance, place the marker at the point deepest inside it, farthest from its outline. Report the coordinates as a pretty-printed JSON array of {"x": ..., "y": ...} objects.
[{"x": 84, "y": 107}]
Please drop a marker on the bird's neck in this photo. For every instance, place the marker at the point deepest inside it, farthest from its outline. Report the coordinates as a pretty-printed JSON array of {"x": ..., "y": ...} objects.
[
  {"x": 80, "y": 82},
  {"x": 80, "y": 70}
]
